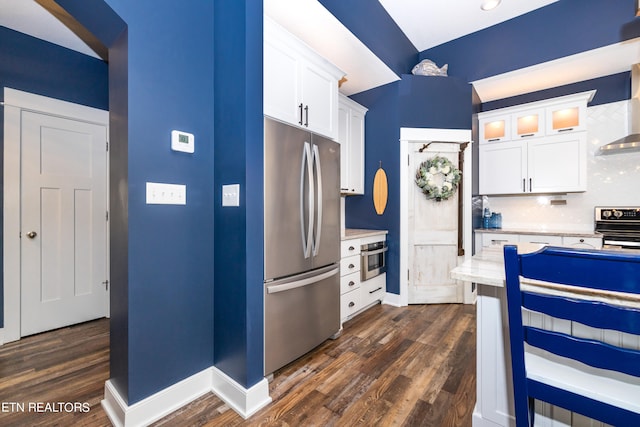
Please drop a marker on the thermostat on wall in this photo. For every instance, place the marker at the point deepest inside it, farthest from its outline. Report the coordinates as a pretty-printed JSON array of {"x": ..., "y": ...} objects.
[{"x": 182, "y": 141}]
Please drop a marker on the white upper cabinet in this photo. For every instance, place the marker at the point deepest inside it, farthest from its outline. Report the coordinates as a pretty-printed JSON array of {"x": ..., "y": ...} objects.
[
  {"x": 300, "y": 87},
  {"x": 543, "y": 149},
  {"x": 351, "y": 138}
]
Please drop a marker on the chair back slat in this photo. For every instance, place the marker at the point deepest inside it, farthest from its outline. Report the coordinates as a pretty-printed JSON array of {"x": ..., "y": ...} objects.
[
  {"x": 605, "y": 270},
  {"x": 591, "y": 352},
  {"x": 596, "y": 314}
]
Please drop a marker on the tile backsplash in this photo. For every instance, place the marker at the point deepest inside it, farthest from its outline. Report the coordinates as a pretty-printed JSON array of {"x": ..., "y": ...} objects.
[{"x": 611, "y": 180}]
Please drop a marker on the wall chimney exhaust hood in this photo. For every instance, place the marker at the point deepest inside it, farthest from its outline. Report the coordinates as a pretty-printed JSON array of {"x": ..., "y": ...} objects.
[{"x": 631, "y": 142}]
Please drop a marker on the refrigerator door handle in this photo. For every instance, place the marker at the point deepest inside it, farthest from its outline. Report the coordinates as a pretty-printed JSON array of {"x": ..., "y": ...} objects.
[
  {"x": 307, "y": 235},
  {"x": 272, "y": 289},
  {"x": 316, "y": 161}
]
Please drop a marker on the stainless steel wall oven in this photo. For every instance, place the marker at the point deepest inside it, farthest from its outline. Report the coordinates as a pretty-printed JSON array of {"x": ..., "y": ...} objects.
[{"x": 373, "y": 258}]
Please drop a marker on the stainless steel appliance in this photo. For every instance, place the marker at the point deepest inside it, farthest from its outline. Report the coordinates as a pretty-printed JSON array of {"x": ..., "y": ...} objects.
[
  {"x": 301, "y": 242},
  {"x": 373, "y": 260},
  {"x": 619, "y": 225}
]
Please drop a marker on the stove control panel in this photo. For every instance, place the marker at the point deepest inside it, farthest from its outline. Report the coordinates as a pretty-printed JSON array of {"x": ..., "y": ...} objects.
[{"x": 617, "y": 214}]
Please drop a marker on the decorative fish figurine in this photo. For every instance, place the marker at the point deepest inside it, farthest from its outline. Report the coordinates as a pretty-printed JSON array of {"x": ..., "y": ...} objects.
[{"x": 427, "y": 67}]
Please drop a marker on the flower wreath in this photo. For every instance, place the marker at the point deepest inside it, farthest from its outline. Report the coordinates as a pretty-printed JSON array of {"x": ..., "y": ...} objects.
[{"x": 438, "y": 178}]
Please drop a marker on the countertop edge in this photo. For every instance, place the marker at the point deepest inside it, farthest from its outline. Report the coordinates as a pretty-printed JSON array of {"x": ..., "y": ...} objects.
[
  {"x": 356, "y": 233},
  {"x": 538, "y": 232}
]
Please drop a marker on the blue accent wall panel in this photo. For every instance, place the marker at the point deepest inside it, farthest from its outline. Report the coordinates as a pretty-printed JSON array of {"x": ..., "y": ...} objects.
[
  {"x": 239, "y": 234},
  {"x": 170, "y": 269},
  {"x": 382, "y": 136},
  {"x": 371, "y": 23},
  {"x": 560, "y": 29},
  {"x": 33, "y": 65},
  {"x": 434, "y": 102}
]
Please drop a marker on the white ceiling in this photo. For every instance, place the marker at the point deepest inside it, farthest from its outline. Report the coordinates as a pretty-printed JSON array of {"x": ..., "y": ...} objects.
[{"x": 426, "y": 24}]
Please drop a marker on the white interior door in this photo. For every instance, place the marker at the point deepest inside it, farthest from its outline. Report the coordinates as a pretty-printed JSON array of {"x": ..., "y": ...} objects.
[
  {"x": 432, "y": 235},
  {"x": 63, "y": 222}
]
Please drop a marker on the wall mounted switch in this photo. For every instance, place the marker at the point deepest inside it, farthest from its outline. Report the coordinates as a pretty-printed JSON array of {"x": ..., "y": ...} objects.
[
  {"x": 231, "y": 195},
  {"x": 166, "y": 194}
]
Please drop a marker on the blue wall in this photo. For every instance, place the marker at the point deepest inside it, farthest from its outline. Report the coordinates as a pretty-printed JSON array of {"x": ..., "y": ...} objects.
[
  {"x": 239, "y": 252},
  {"x": 414, "y": 101},
  {"x": 32, "y": 65}
]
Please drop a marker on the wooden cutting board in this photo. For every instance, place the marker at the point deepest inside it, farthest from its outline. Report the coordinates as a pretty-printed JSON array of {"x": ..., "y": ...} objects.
[{"x": 380, "y": 191}]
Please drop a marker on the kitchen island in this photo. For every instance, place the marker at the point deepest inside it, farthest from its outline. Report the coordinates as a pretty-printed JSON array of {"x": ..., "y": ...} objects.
[{"x": 494, "y": 390}]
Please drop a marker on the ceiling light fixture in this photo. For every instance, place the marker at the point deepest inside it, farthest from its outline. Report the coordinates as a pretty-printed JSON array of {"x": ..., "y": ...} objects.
[{"x": 489, "y": 4}]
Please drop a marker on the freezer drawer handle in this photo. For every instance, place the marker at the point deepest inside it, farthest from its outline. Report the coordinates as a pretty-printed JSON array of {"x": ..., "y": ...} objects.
[{"x": 300, "y": 283}]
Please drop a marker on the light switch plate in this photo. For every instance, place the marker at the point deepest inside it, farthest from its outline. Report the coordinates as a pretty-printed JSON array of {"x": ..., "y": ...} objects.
[
  {"x": 231, "y": 195},
  {"x": 166, "y": 194}
]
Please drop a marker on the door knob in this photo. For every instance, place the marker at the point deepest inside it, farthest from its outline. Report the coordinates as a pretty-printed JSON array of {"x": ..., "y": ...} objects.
[{"x": 32, "y": 234}]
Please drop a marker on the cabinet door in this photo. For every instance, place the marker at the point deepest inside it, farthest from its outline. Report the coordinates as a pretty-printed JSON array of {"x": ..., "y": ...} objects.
[
  {"x": 495, "y": 128},
  {"x": 528, "y": 124},
  {"x": 502, "y": 168},
  {"x": 566, "y": 117},
  {"x": 320, "y": 99},
  {"x": 281, "y": 84},
  {"x": 558, "y": 163}
]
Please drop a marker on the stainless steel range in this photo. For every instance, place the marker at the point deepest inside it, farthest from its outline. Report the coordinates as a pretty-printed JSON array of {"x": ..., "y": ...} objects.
[{"x": 619, "y": 225}]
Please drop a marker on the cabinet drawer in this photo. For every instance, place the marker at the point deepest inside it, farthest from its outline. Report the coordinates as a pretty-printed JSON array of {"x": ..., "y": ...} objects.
[
  {"x": 349, "y": 247},
  {"x": 350, "y": 303},
  {"x": 349, "y": 282},
  {"x": 373, "y": 289},
  {"x": 582, "y": 242},
  {"x": 491, "y": 239},
  {"x": 541, "y": 239},
  {"x": 349, "y": 265}
]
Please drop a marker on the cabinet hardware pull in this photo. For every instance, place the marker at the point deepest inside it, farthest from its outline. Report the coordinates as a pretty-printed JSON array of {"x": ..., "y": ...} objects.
[
  {"x": 530, "y": 186},
  {"x": 493, "y": 140},
  {"x": 300, "y": 107},
  {"x": 527, "y": 135},
  {"x": 581, "y": 240},
  {"x": 351, "y": 283},
  {"x": 306, "y": 115},
  {"x": 524, "y": 185},
  {"x": 351, "y": 304},
  {"x": 374, "y": 291},
  {"x": 351, "y": 248},
  {"x": 565, "y": 130},
  {"x": 351, "y": 266}
]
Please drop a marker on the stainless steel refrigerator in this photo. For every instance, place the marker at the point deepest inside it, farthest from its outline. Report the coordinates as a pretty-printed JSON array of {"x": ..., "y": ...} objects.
[{"x": 301, "y": 242}]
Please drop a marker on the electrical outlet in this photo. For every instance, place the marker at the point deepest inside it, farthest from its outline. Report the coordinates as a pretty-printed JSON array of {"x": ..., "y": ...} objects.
[{"x": 166, "y": 194}]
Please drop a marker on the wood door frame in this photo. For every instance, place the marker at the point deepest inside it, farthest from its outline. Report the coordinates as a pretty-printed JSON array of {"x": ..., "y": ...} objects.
[
  {"x": 15, "y": 101},
  {"x": 410, "y": 136}
]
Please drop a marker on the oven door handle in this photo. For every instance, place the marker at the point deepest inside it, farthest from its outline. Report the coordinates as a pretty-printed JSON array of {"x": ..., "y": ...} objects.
[{"x": 377, "y": 251}]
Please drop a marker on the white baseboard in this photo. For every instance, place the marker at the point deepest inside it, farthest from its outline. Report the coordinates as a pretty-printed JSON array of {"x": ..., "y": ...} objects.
[
  {"x": 245, "y": 402},
  {"x": 393, "y": 299}
]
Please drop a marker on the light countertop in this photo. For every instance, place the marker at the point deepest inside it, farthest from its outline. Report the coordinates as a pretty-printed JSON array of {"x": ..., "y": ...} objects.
[
  {"x": 356, "y": 233},
  {"x": 567, "y": 233},
  {"x": 487, "y": 268}
]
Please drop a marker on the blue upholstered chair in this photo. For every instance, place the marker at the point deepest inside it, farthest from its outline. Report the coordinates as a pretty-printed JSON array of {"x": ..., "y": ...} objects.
[{"x": 583, "y": 375}]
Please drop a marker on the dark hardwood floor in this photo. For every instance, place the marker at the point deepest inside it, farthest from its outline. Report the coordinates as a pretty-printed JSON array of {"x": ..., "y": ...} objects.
[{"x": 410, "y": 366}]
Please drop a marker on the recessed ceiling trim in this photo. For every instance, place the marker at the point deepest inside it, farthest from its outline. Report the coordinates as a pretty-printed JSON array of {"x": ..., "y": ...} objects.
[
  {"x": 78, "y": 29},
  {"x": 601, "y": 62}
]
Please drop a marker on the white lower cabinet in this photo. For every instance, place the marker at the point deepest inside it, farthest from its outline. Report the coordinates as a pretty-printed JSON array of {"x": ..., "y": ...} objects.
[
  {"x": 357, "y": 295},
  {"x": 484, "y": 239}
]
